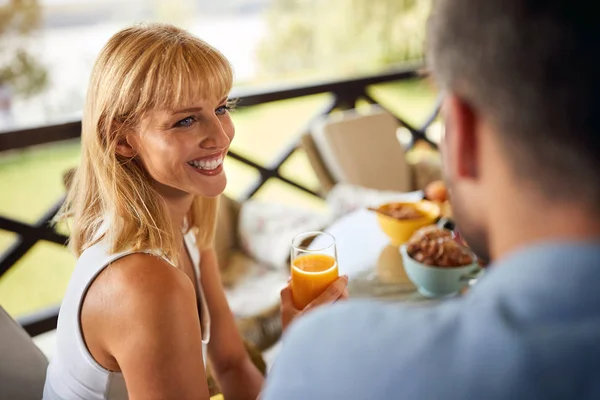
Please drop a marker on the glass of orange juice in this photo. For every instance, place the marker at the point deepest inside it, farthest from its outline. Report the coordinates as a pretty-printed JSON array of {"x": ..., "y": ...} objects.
[{"x": 314, "y": 266}]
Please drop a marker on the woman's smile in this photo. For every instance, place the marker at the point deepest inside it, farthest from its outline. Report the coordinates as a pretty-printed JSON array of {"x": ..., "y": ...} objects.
[{"x": 210, "y": 165}]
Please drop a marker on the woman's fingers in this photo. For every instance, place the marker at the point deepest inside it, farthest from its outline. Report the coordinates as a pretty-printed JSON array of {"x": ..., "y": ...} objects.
[
  {"x": 288, "y": 311},
  {"x": 336, "y": 291},
  {"x": 344, "y": 295},
  {"x": 331, "y": 294},
  {"x": 286, "y": 295}
]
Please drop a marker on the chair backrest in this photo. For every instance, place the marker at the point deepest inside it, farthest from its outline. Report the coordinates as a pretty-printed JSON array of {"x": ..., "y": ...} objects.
[
  {"x": 22, "y": 365},
  {"x": 362, "y": 149},
  {"x": 326, "y": 181}
]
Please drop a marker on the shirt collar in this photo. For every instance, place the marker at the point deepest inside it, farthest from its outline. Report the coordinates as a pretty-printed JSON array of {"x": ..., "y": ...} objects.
[{"x": 558, "y": 267}]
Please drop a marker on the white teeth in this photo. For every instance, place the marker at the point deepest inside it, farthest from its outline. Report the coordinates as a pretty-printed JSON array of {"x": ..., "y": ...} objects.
[{"x": 208, "y": 165}]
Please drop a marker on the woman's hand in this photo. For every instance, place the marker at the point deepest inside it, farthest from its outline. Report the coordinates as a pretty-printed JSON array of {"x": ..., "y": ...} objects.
[{"x": 337, "y": 291}]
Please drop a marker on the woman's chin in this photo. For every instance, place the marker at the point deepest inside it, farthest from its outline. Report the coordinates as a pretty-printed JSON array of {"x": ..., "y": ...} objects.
[{"x": 215, "y": 189}]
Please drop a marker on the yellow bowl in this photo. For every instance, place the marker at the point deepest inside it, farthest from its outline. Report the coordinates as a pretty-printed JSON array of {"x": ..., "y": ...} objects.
[{"x": 400, "y": 230}]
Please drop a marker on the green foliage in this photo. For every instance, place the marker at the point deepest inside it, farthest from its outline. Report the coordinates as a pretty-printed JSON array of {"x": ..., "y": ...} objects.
[
  {"x": 18, "y": 69},
  {"x": 342, "y": 36}
]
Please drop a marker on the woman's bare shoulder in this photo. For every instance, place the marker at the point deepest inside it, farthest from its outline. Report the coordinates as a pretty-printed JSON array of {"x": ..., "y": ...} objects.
[
  {"x": 142, "y": 275},
  {"x": 134, "y": 309},
  {"x": 138, "y": 289}
]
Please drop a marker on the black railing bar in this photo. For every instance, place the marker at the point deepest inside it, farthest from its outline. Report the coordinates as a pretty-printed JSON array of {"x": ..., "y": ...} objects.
[
  {"x": 14, "y": 253},
  {"x": 262, "y": 180},
  {"x": 297, "y": 185},
  {"x": 9, "y": 257},
  {"x": 251, "y": 192},
  {"x": 31, "y": 232},
  {"x": 293, "y": 145},
  {"x": 18, "y": 227},
  {"x": 348, "y": 99},
  {"x": 262, "y": 170},
  {"x": 417, "y": 134},
  {"x": 290, "y": 150},
  {"x": 24, "y": 138},
  {"x": 265, "y": 174},
  {"x": 434, "y": 113},
  {"x": 41, "y": 321},
  {"x": 46, "y": 219},
  {"x": 258, "y": 182},
  {"x": 423, "y": 136},
  {"x": 402, "y": 122},
  {"x": 371, "y": 101},
  {"x": 277, "y": 93}
]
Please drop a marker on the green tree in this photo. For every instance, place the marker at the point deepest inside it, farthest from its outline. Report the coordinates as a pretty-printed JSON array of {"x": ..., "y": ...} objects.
[
  {"x": 341, "y": 36},
  {"x": 19, "y": 70}
]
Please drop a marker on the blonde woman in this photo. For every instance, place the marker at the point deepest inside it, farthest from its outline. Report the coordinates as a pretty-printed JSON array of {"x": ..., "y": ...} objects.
[{"x": 146, "y": 296}]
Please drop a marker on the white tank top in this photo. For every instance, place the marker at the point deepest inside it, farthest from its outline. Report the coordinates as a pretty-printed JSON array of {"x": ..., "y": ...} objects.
[{"x": 73, "y": 374}]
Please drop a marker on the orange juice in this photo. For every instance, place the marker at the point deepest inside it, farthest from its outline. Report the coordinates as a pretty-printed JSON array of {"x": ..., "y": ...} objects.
[{"x": 311, "y": 275}]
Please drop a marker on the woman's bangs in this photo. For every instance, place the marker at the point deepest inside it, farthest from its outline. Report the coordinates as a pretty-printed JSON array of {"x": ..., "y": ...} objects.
[{"x": 189, "y": 73}]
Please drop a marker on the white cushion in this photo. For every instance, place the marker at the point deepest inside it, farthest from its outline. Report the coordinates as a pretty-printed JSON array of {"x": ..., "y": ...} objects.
[
  {"x": 266, "y": 230},
  {"x": 258, "y": 290}
]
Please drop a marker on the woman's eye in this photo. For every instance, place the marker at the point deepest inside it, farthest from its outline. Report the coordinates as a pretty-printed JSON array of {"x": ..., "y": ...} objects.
[
  {"x": 222, "y": 110},
  {"x": 186, "y": 122}
]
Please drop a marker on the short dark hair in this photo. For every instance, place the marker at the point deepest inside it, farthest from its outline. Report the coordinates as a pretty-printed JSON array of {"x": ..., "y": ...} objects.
[{"x": 533, "y": 68}]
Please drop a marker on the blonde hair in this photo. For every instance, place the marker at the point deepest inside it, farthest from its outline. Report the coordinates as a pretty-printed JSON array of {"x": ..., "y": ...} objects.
[{"x": 142, "y": 68}]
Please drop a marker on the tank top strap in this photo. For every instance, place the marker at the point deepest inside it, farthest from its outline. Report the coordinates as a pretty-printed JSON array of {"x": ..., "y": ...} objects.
[{"x": 192, "y": 248}]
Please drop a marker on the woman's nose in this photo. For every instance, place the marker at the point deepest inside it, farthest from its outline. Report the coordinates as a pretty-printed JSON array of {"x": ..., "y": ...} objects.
[{"x": 215, "y": 137}]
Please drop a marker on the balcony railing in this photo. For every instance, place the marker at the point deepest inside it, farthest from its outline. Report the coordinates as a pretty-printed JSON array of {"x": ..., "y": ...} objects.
[{"x": 345, "y": 95}]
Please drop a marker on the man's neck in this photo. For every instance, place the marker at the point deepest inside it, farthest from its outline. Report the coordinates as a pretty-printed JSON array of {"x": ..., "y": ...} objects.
[{"x": 541, "y": 221}]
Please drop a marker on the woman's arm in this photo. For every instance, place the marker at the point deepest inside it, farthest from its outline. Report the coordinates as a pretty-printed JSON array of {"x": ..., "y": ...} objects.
[
  {"x": 235, "y": 372},
  {"x": 141, "y": 315}
]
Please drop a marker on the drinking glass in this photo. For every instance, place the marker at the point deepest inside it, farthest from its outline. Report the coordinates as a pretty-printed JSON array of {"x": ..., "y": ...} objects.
[{"x": 313, "y": 265}]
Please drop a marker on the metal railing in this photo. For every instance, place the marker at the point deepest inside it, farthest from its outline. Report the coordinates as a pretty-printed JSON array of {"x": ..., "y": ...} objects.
[{"x": 345, "y": 94}]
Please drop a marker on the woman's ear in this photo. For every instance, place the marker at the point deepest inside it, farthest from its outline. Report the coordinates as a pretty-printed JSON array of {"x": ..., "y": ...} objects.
[
  {"x": 125, "y": 146},
  {"x": 125, "y": 149}
]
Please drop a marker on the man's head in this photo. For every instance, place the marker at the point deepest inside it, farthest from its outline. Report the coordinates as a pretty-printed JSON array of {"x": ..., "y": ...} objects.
[{"x": 522, "y": 106}]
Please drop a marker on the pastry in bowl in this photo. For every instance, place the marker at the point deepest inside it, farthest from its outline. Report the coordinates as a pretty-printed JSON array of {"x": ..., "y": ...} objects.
[
  {"x": 438, "y": 248},
  {"x": 437, "y": 264},
  {"x": 400, "y": 220}
]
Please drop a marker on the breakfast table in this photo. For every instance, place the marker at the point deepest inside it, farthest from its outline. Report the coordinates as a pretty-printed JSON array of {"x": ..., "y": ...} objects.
[{"x": 374, "y": 266}]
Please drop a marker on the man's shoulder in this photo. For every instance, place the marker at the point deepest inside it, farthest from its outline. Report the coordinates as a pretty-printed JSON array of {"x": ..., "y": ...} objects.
[
  {"x": 358, "y": 318},
  {"x": 347, "y": 350},
  {"x": 491, "y": 345}
]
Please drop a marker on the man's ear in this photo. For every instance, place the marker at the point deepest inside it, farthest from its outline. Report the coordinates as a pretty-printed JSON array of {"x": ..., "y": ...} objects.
[{"x": 461, "y": 139}]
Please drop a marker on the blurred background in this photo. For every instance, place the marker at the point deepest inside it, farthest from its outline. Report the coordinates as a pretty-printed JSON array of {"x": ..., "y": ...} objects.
[{"x": 292, "y": 59}]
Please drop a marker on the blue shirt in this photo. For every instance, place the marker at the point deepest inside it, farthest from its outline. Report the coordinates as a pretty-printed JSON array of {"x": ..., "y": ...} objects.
[{"x": 529, "y": 330}]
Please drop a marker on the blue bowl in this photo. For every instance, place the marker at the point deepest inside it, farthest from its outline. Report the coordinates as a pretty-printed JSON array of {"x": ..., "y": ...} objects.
[{"x": 438, "y": 282}]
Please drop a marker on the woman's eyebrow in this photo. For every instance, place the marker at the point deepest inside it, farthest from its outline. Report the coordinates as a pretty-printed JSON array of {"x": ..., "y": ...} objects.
[
  {"x": 187, "y": 110},
  {"x": 195, "y": 109}
]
